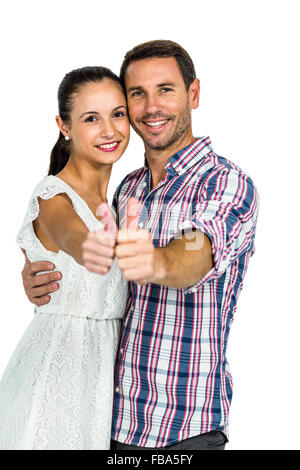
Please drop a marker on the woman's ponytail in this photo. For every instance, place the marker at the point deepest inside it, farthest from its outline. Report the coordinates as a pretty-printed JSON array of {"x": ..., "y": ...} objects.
[{"x": 60, "y": 155}]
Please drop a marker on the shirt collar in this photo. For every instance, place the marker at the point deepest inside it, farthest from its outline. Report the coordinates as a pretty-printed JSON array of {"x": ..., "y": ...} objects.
[{"x": 185, "y": 158}]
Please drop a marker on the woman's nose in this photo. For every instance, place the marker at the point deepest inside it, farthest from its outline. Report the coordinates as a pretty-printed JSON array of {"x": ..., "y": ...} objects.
[{"x": 107, "y": 129}]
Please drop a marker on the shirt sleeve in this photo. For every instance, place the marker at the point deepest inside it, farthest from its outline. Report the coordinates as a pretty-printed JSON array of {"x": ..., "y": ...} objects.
[{"x": 227, "y": 213}]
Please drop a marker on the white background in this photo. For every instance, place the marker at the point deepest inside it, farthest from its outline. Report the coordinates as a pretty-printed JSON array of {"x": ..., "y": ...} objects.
[{"x": 246, "y": 55}]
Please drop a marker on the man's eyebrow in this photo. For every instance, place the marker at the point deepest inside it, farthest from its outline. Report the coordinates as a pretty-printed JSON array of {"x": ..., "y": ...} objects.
[
  {"x": 166, "y": 84},
  {"x": 96, "y": 112},
  {"x": 134, "y": 88},
  {"x": 160, "y": 85}
]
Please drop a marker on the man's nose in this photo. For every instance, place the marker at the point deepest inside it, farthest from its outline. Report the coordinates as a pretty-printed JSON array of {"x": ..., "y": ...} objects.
[{"x": 152, "y": 104}]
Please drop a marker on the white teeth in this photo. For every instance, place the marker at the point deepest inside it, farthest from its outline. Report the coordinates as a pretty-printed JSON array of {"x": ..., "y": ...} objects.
[
  {"x": 156, "y": 124},
  {"x": 108, "y": 146}
]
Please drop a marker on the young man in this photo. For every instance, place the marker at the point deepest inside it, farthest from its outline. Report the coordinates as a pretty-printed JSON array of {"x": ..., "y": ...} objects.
[{"x": 192, "y": 218}]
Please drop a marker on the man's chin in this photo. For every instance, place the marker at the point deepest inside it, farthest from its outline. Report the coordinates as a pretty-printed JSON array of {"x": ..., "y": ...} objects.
[
  {"x": 157, "y": 143},
  {"x": 159, "y": 147},
  {"x": 163, "y": 141}
]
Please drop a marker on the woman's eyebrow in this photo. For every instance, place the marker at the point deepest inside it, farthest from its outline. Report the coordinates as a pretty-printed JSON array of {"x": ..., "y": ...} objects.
[
  {"x": 89, "y": 112},
  {"x": 96, "y": 112},
  {"x": 118, "y": 107}
]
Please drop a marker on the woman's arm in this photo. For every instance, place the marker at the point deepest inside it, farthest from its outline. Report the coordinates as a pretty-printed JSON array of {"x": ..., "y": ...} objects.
[{"x": 58, "y": 227}]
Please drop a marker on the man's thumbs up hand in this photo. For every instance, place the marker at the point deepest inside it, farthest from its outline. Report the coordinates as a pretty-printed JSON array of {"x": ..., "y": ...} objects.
[
  {"x": 135, "y": 249},
  {"x": 137, "y": 257},
  {"x": 132, "y": 214}
]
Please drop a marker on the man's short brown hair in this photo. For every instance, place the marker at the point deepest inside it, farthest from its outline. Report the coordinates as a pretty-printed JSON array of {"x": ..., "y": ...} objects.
[{"x": 161, "y": 48}]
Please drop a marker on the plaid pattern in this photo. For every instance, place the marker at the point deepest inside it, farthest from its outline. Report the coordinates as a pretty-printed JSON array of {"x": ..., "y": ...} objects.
[{"x": 172, "y": 378}]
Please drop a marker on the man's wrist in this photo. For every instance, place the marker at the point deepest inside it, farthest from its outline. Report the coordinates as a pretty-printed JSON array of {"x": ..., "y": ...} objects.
[{"x": 160, "y": 266}]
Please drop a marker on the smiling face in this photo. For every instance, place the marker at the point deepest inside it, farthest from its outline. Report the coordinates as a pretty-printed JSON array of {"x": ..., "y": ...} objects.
[
  {"x": 159, "y": 103},
  {"x": 99, "y": 127}
]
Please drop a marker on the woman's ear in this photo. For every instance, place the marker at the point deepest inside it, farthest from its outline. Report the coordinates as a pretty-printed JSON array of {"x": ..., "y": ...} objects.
[
  {"x": 194, "y": 93},
  {"x": 64, "y": 129}
]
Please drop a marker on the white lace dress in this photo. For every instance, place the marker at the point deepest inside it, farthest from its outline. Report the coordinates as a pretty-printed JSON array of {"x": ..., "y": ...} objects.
[{"x": 57, "y": 390}]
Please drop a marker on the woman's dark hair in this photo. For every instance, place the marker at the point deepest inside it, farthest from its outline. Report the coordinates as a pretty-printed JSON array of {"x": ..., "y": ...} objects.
[
  {"x": 161, "y": 48},
  {"x": 71, "y": 84}
]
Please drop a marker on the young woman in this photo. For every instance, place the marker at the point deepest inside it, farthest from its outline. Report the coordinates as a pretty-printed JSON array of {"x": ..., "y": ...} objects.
[{"x": 57, "y": 390}]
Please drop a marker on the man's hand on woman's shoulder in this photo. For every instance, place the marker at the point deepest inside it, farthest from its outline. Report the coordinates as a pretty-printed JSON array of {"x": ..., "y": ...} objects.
[{"x": 38, "y": 287}]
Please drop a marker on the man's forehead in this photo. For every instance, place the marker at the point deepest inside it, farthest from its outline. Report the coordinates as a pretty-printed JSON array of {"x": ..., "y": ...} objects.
[{"x": 155, "y": 70}]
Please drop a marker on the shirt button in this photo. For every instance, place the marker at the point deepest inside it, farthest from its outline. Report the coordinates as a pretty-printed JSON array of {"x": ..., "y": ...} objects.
[
  {"x": 144, "y": 184},
  {"x": 117, "y": 389},
  {"x": 141, "y": 225},
  {"x": 194, "y": 289},
  {"x": 121, "y": 350}
]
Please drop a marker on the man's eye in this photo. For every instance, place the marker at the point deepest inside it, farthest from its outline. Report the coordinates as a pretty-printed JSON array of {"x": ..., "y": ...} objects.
[
  {"x": 137, "y": 93},
  {"x": 166, "y": 89}
]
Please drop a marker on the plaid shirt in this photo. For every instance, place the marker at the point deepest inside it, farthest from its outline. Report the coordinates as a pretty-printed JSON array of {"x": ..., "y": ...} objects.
[{"x": 172, "y": 378}]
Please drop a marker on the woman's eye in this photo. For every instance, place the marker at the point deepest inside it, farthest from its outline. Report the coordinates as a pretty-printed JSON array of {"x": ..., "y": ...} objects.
[
  {"x": 119, "y": 114},
  {"x": 90, "y": 119}
]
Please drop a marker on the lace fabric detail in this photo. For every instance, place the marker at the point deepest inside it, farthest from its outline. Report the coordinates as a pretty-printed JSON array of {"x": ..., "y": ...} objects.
[{"x": 57, "y": 390}]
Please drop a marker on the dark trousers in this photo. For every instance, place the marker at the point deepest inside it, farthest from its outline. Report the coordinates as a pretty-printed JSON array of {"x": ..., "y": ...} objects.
[{"x": 214, "y": 440}]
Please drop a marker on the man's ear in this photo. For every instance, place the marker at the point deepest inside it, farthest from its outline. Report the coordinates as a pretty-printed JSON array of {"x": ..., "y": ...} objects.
[
  {"x": 194, "y": 93},
  {"x": 64, "y": 129}
]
